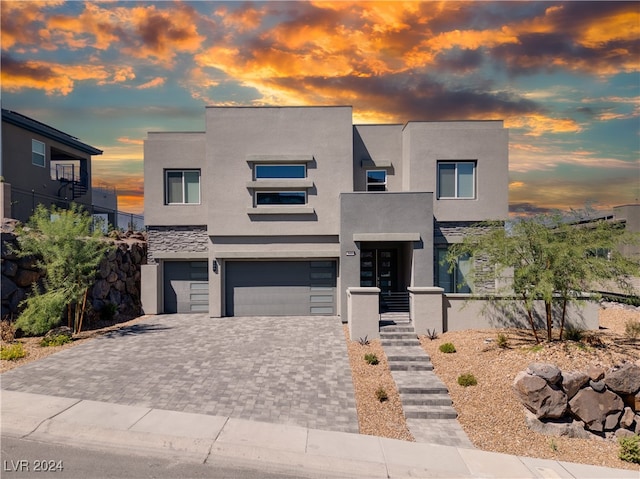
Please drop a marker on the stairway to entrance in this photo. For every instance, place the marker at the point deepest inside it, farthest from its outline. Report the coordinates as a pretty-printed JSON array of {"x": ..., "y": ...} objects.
[{"x": 425, "y": 398}]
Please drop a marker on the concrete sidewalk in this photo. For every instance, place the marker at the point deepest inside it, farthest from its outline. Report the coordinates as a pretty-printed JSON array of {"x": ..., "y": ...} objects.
[{"x": 201, "y": 438}]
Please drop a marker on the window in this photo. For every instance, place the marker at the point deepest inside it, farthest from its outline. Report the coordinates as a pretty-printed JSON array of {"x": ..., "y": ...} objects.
[
  {"x": 280, "y": 198},
  {"x": 457, "y": 280},
  {"x": 182, "y": 187},
  {"x": 262, "y": 172},
  {"x": 37, "y": 153},
  {"x": 376, "y": 180},
  {"x": 456, "y": 179}
]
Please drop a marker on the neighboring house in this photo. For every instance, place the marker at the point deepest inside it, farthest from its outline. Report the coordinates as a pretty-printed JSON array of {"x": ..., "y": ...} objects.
[
  {"x": 41, "y": 165},
  {"x": 105, "y": 204},
  {"x": 278, "y": 210}
]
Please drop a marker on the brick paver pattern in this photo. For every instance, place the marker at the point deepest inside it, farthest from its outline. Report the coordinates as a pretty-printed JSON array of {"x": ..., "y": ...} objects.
[{"x": 292, "y": 370}]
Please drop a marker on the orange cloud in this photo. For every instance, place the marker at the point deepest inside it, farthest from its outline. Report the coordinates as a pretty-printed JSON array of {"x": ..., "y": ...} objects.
[
  {"x": 538, "y": 124},
  {"x": 156, "y": 82}
]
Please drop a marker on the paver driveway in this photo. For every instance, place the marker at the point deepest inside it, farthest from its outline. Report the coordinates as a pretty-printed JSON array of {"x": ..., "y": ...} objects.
[{"x": 292, "y": 370}]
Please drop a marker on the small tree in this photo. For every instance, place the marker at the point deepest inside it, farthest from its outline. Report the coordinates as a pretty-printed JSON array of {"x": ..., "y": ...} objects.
[
  {"x": 552, "y": 257},
  {"x": 69, "y": 249}
]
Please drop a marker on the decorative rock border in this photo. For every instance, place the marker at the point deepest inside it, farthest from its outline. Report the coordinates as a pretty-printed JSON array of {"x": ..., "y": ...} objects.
[{"x": 595, "y": 402}]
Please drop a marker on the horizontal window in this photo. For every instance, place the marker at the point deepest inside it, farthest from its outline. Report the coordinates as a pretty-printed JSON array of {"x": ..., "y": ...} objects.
[
  {"x": 456, "y": 179},
  {"x": 279, "y": 171},
  {"x": 376, "y": 180},
  {"x": 280, "y": 198},
  {"x": 182, "y": 187},
  {"x": 37, "y": 153}
]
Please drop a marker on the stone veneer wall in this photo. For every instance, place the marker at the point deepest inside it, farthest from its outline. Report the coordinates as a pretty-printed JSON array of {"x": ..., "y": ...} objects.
[
  {"x": 454, "y": 232},
  {"x": 176, "y": 239}
]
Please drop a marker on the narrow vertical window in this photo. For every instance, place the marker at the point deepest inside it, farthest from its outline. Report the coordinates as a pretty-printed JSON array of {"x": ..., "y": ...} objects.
[{"x": 37, "y": 153}]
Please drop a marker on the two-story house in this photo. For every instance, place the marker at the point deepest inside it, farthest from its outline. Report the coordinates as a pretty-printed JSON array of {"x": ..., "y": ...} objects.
[
  {"x": 41, "y": 165},
  {"x": 279, "y": 210}
]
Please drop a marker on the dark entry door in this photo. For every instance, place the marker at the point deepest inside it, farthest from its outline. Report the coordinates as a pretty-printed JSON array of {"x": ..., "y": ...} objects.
[{"x": 379, "y": 267}]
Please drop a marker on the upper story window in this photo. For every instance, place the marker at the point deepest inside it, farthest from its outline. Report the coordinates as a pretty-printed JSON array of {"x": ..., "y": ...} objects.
[
  {"x": 280, "y": 198},
  {"x": 457, "y": 179},
  {"x": 376, "y": 180},
  {"x": 37, "y": 153},
  {"x": 262, "y": 172},
  {"x": 182, "y": 187}
]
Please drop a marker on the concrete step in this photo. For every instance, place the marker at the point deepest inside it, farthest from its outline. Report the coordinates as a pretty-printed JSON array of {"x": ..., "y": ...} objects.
[
  {"x": 425, "y": 400},
  {"x": 399, "y": 342},
  {"x": 403, "y": 358},
  {"x": 396, "y": 328},
  {"x": 410, "y": 366},
  {"x": 398, "y": 335},
  {"x": 428, "y": 389},
  {"x": 429, "y": 412}
]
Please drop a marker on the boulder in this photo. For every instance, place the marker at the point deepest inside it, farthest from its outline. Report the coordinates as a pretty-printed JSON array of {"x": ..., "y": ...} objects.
[
  {"x": 612, "y": 421},
  {"x": 627, "y": 418},
  {"x": 573, "y": 381},
  {"x": 624, "y": 379},
  {"x": 26, "y": 277},
  {"x": 539, "y": 397},
  {"x": 563, "y": 427},
  {"x": 8, "y": 287},
  {"x": 597, "y": 386},
  {"x": 624, "y": 433},
  {"x": 595, "y": 373},
  {"x": 100, "y": 289},
  {"x": 112, "y": 277},
  {"x": 9, "y": 268},
  {"x": 548, "y": 372},
  {"x": 592, "y": 407},
  {"x": 59, "y": 331}
]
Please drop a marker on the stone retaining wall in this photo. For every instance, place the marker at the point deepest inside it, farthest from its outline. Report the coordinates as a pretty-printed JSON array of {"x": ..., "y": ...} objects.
[
  {"x": 598, "y": 402},
  {"x": 117, "y": 278}
]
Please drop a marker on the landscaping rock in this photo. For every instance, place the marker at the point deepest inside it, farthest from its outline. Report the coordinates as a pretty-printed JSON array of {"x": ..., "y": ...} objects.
[
  {"x": 59, "y": 331},
  {"x": 595, "y": 373},
  {"x": 564, "y": 427},
  {"x": 549, "y": 372},
  {"x": 539, "y": 397},
  {"x": 573, "y": 381},
  {"x": 592, "y": 407},
  {"x": 624, "y": 379},
  {"x": 627, "y": 418},
  {"x": 597, "y": 386},
  {"x": 624, "y": 433},
  {"x": 612, "y": 421}
]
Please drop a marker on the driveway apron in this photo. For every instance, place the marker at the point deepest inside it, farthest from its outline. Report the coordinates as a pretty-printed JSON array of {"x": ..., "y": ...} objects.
[{"x": 292, "y": 370}]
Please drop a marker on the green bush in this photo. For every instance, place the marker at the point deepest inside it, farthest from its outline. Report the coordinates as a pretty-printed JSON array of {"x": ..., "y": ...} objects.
[
  {"x": 630, "y": 449},
  {"x": 12, "y": 352},
  {"x": 467, "y": 379},
  {"x": 371, "y": 358},
  {"x": 632, "y": 328},
  {"x": 58, "y": 340},
  {"x": 503, "y": 341},
  {"x": 447, "y": 348},
  {"x": 573, "y": 334},
  {"x": 381, "y": 394},
  {"x": 43, "y": 313}
]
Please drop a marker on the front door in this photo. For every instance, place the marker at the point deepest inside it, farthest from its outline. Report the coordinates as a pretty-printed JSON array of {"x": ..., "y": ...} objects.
[{"x": 379, "y": 268}]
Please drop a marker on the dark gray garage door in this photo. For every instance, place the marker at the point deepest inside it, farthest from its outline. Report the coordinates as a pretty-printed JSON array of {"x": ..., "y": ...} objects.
[
  {"x": 186, "y": 287},
  {"x": 280, "y": 288}
]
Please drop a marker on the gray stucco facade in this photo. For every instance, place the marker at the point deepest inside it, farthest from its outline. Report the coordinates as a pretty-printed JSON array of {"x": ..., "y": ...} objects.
[{"x": 305, "y": 205}]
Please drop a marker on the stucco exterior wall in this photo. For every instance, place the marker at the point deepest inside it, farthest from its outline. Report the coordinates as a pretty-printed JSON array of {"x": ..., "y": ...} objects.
[
  {"x": 235, "y": 135},
  {"x": 426, "y": 143},
  {"x": 173, "y": 151},
  {"x": 377, "y": 147},
  {"x": 396, "y": 215}
]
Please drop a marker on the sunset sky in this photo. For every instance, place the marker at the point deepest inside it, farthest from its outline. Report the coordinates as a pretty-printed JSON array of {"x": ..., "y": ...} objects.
[{"x": 564, "y": 76}]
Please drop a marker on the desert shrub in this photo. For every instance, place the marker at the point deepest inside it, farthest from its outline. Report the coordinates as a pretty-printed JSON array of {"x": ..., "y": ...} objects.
[
  {"x": 467, "y": 379},
  {"x": 632, "y": 328},
  {"x": 630, "y": 449},
  {"x": 536, "y": 349},
  {"x": 43, "y": 312},
  {"x": 447, "y": 348},
  {"x": 381, "y": 394},
  {"x": 432, "y": 334},
  {"x": 573, "y": 334},
  {"x": 364, "y": 341},
  {"x": 12, "y": 352},
  {"x": 58, "y": 340},
  {"x": 503, "y": 341},
  {"x": 371, "y": 358}
]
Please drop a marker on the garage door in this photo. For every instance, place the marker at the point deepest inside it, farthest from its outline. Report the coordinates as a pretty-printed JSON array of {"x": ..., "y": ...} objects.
[
  {"x": 280, "y": 288},
  {"x": 186, "y": 287}
]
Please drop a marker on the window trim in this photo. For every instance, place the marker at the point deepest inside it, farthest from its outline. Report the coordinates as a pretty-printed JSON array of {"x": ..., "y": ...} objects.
[
  {"x": 288, "y": 205},
  {"x": 182, "y": 171},
  {"x": 367, "y": 183},
  {"x": 456, "y": 196},
  {"x": 35, "y": 142}
]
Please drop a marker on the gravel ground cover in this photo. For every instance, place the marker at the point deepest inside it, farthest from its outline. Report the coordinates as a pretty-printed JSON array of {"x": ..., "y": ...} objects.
[{"x": 490, "y": 413}]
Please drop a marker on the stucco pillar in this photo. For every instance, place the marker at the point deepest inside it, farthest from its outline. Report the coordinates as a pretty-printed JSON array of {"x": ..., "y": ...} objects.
[
  {"x": 426, "y": 308},
  {"x": 5, "y": 199},
  {"x": 363, "y": 314},
  {"x": 150, "y": 288}
]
